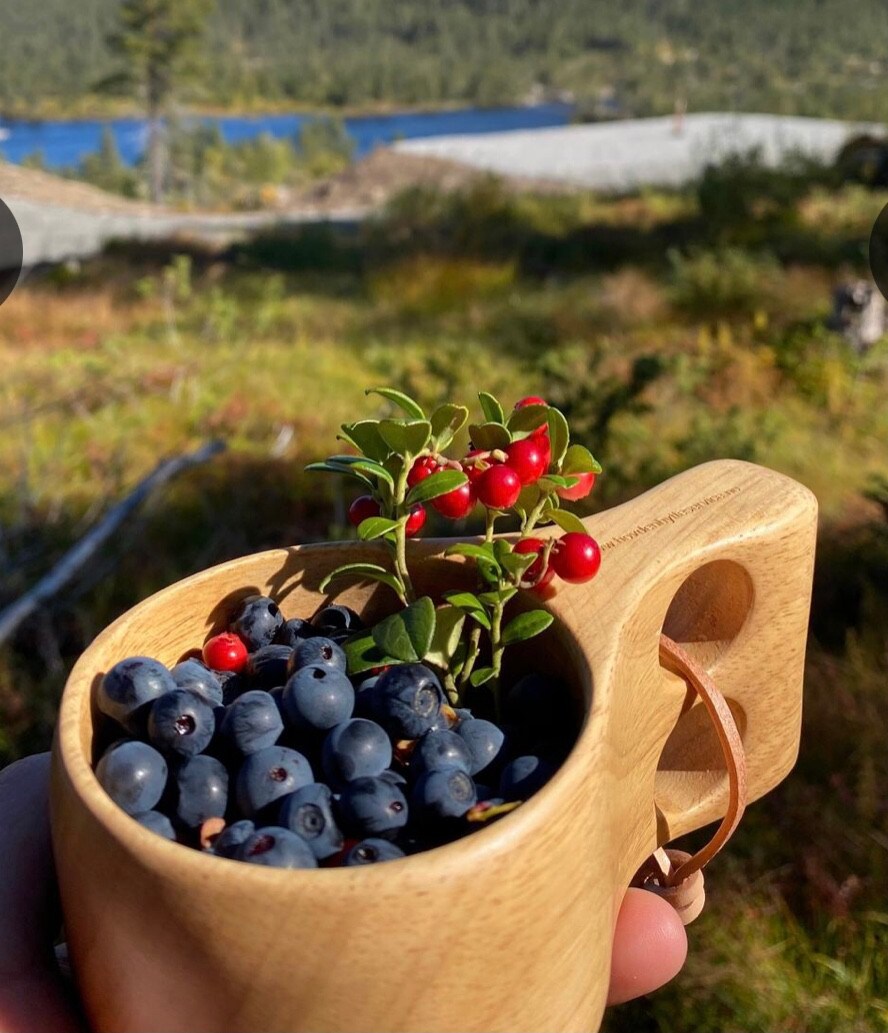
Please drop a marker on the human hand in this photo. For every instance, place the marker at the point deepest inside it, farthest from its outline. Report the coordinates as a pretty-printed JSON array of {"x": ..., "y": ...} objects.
[{"x": 649, "y": 940}]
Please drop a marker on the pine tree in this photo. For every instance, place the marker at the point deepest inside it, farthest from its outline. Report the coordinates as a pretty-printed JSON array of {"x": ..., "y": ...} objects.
[{"x": 157, "y": 43}]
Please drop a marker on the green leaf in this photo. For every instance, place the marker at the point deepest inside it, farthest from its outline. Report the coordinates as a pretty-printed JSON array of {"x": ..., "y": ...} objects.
[
  {"x": 366, "y": 438},
  {"x": 470, "y": 604},
  {"x": 406, "y": 437},
  {"x": 488, "y": 436},
  {"x": 493, "y": 411},
  {"x": 516, "y": 563},
  {"x": 362, "y": 572},
  {"x": 502, "y": 595},
  {"x": 501, "y": 548},
  {"x": 340, "y": 468},
  {"x": 525, "y": 626},
  {"x": 438, "y": 484},
  {"x": 407, "y": 635},
  {"x": 449, "y": 623},
  {"x": 405, "y": 402},
  {"x": 362, "y": 653},
  {"x": 552, "y": 481},
  {"x": 527, "y": 419},
  {"x": 578, "y": 459},
  {"x": 566, "y": 520},
  {"x": 372, "y": 469},
  {"x": 447, "y": 421},
  {"x": 529, "y": 497},
  {"x": 481, "y": 675},
  {"x": 490, "y": 572},
  {"x": 475, "y": 552},
  {"x": 375, "y": 527},
  {"x": 559, "y": 435}
]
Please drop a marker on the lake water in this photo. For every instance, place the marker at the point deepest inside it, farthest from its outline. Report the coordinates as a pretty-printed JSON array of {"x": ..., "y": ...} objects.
[{"x": 63, "y": 144}]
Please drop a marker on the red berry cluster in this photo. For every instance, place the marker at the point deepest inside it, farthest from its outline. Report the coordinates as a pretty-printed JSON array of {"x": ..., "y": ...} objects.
[
  {"x": 495, "y": 479},
  {"x": 574, "y": 557}
]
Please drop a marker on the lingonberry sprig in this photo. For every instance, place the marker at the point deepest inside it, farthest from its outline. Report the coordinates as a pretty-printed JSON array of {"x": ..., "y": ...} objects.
[{"x": 522, "y": 466}]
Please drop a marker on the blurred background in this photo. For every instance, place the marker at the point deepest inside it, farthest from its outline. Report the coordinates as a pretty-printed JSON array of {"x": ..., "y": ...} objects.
[{"x": 656, "y": 214}]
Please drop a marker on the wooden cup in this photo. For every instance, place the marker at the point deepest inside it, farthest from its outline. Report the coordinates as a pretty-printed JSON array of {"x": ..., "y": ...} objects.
[{"x": 509, "y": 928}]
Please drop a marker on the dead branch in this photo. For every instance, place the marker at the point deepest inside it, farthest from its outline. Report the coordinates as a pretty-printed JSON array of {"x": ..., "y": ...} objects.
[{"x": 80, "y": 554}]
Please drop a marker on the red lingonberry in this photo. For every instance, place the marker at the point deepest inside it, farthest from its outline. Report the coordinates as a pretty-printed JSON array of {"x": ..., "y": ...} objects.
[
  {"x": 364, "y": 507},
  {"x": 536, "y": 575},
  {"x": 473, "y": 470},
  {"x": 576, "y": 557},
  {"x": 225, "y": 652},
  {"x": 416, "y": 520},
  {"x": 541, "y": 437},
  {"x": 585, "y": 483},
  {"x": 529, "y": 458},
  {"x": 522, "y": 403},
  {"x": 422, "y": 467},
  {"x": 499, "y": 487},
  {"x": 457, "y": 503},
  {"x": 335, "y": 860}
]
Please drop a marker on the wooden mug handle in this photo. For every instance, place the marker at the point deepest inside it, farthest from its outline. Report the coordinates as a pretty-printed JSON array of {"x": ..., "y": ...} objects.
[{"x": 719, "y": 558}]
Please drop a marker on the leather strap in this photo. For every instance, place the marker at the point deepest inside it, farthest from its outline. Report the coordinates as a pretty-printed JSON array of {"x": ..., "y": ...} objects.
[{"x": 680, "y": 662}]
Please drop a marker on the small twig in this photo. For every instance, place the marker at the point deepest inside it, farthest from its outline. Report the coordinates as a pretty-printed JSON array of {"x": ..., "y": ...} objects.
[{"x": 81, "y": 553}]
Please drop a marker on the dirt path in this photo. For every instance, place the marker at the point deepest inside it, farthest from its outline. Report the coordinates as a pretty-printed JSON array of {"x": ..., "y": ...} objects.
[{"x": 62, "y": 219}]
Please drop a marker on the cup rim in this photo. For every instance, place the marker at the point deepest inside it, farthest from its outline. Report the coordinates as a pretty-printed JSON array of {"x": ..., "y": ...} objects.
[{"x": 152, "y": 850}]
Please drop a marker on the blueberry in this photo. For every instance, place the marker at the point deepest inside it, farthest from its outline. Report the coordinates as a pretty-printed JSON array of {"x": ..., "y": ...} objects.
[
  {"x": 372, "y": 851},
  {"x": 355, "y": 749},
  {"x": 523, "y": 776},
  {"x": 373, "y": 807},
  {"x": 230, "y": 838},
  {"x": 129, "y": 687},
  {"x": 202, "y": 782},
  {"x": 443, "y": 794},
  {"x": 257, "y": 621},
  {"x": 133, "y": 774},
  {"x": 335, "y": 619},
  {"x": 407, "y": 700},
  {"x": 318, "y": 697},
  {"x": 268, "y": 775},
  {"x": 394, "y": 778},
  {"x": 440, "y": 750},
  {"x": 294, "y": 631},
  {"x": 317, "y": 651},
  {"x": 484, "y": 741},
  {"x": 192, "y": 674},
  {"x": 157, "y": 822},
  {"x": 309, "y": 813},
  {"x": 267, "y": 667},
  {"x": 181, "y": 723},
  {"x": 252, "y": 722},
  {"x": 233, "y": 685},
  {"x": 277, "y": 848}
]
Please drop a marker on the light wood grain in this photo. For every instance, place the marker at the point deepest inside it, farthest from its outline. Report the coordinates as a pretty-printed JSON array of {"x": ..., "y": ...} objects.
[{"x": 509, "y": 929}]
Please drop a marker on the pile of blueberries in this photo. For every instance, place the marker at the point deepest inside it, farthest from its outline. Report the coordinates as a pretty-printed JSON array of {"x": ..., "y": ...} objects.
[{"x": 276, "y": 757}]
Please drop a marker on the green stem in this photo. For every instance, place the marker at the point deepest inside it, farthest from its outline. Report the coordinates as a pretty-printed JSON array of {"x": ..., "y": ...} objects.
[
  {"x": 492, "y": 515},
  {"x": 472, "y": 655},
  {"x": 530, "y": 523},
  {"x": 400, "y": 549},
  {"x": 497, "y": 648},
  {"x": 451, "y": 689}
]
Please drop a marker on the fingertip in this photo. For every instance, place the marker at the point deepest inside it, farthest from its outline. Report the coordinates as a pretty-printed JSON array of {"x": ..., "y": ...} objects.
[{"x": 650, "y": 946}]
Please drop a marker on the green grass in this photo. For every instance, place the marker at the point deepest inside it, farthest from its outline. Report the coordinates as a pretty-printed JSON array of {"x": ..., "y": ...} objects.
[{"x": 661, "y": 360}]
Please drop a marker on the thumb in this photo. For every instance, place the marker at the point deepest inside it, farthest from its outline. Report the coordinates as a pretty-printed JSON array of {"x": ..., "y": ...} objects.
[{"x": 32, "y": 996}]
